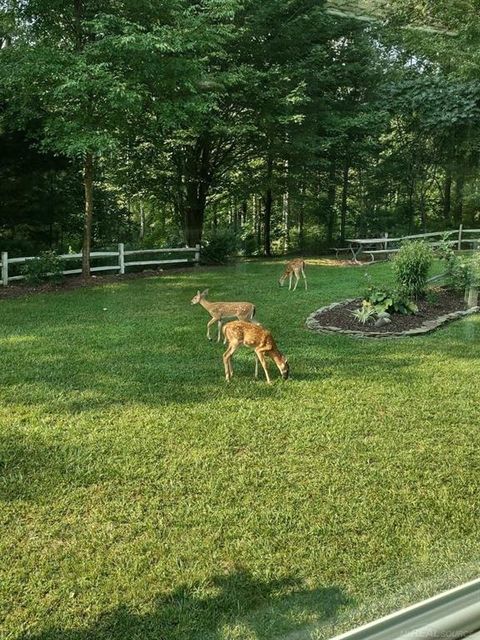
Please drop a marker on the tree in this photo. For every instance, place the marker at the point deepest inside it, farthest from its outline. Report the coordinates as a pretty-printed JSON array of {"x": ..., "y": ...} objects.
[{"x": 78, "y": 75}]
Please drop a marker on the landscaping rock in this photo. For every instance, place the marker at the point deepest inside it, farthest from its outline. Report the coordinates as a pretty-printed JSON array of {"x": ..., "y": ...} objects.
[{"x": 382, "y": 321}]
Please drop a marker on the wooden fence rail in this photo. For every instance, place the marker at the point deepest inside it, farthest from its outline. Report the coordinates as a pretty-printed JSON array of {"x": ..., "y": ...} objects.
[
  {"x": 120, "y": 266},
  {"x": 385, "y": 245}
]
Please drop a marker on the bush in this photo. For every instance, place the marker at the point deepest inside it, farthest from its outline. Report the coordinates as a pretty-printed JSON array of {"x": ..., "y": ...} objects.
[
  {"x": 388, "y": 301},
  {"x": 48, "y": 266},
  {"x": 462, "y": 272},
  {"x": 219, "y": 245},
  {"x": 457, "y": 273},
  {"x": 474, "y": 270},
  {"x": 410, "y": 267}
]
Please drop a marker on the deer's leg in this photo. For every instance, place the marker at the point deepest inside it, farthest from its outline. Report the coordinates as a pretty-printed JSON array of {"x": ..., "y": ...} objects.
[
  {"x": 227, "y": 365},
  {"x": 256, "y": 367},
  {"x": 290, "y": 282},
  {"x": 250, "y": 317},
  {"x": 304, "y": 278},
  {"x": 209, "y": 324},
  {"x": 227, "y": 361},
  {"x": 263, "y": 362},
  {"x": 219, "y": 330},
  {"x": 297, "y": 278}
]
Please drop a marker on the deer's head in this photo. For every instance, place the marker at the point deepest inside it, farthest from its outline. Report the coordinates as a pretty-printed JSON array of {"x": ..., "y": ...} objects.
[
  {"x": 199, "y": 296},
  {"x": 285, "y": 369}
]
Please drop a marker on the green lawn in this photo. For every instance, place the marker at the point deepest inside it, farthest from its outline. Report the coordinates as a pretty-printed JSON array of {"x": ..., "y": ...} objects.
[{"x": 141, "y": 497}]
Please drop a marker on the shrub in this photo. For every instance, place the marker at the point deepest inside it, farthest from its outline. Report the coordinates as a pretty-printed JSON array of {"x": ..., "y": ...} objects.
[
  {"x": 410, "y": 267},
  {"x": 365, "y": 313},
  {"x": 457, "y": 273},
  {"x": 48, "y": 266},
  {"x": 389, "y": 301},
  {"x": 463, "y": 272},
  {"x": 473, "y": 270},
  {"x": 219, "y": 245}
]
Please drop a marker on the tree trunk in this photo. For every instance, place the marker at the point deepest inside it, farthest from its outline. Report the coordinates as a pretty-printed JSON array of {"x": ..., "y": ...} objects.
[
  {"x": 459, "y": 184},
  {"x": 267, "y": 219},
  {"x": 301, "y": 219},
  {"x": 447, "y": 197},
  {"x": 87, "y": 229},
  {"x": 142, "y": 221},
  {"x": 286, "y": 209},
  {"x": 344, "y": 205},
  {"x": 258, "y": 223},
  {"x": 331, "y": 195},
  {"x": 198, "y": 180},
  {"x": 194, "y": 218}
]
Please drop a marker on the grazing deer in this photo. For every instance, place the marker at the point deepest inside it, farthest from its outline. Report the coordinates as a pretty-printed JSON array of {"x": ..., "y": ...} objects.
[
  {"x": 294, "y": 268},
  {"x": 220, "y": 310},
  {"x": 238, "y": 333}
]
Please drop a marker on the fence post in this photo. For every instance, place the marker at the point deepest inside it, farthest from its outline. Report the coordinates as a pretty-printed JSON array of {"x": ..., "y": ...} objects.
[
  {"x": 460, "y": 237},
  {"x": 197, "y": 255},
  {"x": 385, "y": 244},
  {"x": 4, "y": 268},
  {"x": 121, "y": 257}
]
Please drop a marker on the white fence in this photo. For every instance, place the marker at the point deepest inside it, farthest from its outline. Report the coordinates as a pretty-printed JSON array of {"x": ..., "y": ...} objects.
[
  {"x": 456, "y": 237},
  {"x": 122, "y": 257}
]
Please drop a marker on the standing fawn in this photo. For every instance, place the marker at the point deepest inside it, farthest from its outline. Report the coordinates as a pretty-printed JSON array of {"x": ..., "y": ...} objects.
[
  {"x": 238, "y": 333},
  {"x": 220, "y": 310},
  {"x": 294, "y": 268}
]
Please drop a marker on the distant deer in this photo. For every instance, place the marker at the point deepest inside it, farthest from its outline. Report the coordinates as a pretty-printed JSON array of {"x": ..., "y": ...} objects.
[
  {"x": 220, "y": 310},
  {"x": 238, "y": 333},
  {"x": 294, "y": 268}
]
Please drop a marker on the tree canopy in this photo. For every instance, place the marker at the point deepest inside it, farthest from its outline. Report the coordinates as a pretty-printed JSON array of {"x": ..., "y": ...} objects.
[{"x": 286, "y": 124}]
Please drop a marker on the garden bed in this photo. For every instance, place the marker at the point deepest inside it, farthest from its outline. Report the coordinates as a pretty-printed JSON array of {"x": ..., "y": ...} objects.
[{"x": 439, "y": 307}]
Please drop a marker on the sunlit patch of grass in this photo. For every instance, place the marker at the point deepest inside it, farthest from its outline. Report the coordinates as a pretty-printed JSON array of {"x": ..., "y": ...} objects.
[{"x": 143, "y": 497}]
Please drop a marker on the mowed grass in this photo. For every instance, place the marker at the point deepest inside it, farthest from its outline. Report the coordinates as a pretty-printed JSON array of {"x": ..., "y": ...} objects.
[{"x": 143, "y": 497}]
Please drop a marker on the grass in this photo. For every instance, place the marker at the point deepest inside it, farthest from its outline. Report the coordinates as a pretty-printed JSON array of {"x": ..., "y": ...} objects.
[{"x": 143, "y": 497}]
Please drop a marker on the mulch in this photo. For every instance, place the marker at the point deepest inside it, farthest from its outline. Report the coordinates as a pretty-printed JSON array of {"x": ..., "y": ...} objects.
[
  {"x": 74, "y": 282},
  {"x": 438, "y": 303}
]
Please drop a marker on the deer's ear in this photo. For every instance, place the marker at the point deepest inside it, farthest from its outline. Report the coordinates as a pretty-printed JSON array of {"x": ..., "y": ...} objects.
[
  {"x": 198, "y": 292},
  {"x": 204, "y": 293}
]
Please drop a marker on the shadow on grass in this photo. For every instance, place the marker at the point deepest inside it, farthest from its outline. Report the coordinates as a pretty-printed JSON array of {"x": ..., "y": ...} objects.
[{"x": 260, "y": 609}]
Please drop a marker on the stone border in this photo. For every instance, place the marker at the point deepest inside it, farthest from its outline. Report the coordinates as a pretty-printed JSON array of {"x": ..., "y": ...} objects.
[{"x": 429, "y": 325}]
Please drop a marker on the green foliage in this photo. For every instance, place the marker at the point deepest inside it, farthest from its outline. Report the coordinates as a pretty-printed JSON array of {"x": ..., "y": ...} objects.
[
  {"x": 463, "y": 271},
  {"x": 431, "y": 296},
  {"x": 365, "y": 313},
  {"x": 219, "y": 245},
  {"x": 388, "y": 300},
  {"x": 411, "y": 266},
  {"x": 445, "y": 249},
  {"x": 48, "y": 266},
  {"x": 474, "y": 270},
  {"x": 457, "y": 272},
  {"x": 347, "y": 129}
]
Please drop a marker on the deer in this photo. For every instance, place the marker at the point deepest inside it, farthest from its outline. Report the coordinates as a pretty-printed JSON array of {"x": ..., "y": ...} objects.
[
  {"x": 248, "y": 334},
  {"x": 220, "y": 310},
  {"x": 294, "y": 268}
]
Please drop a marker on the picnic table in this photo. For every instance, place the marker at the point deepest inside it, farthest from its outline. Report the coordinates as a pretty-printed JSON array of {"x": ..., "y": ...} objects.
[
  {"x": 372, "y": 246},
  {"x": 384, "y": 246}
]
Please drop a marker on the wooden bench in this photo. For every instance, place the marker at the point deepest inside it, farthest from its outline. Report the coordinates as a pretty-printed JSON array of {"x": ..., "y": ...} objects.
[
  {"x": 374, "y": 252},
  {"x": 338, "y": 249}
]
